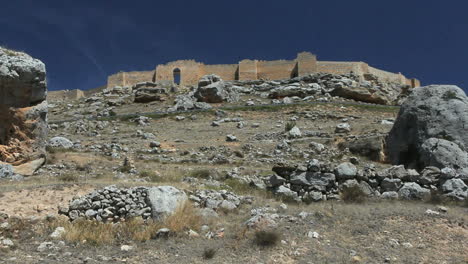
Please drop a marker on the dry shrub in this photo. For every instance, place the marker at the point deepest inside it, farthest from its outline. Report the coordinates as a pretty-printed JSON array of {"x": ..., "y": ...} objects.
[
  {"x": 88, "y": 231},
  {"x": 353, "y": 194},
  {"x": 185, "y": 217},
  {"x": 266, "y": 238},
  {"x": 209, "y": 253},
  {"x": 68, "y": 177}
]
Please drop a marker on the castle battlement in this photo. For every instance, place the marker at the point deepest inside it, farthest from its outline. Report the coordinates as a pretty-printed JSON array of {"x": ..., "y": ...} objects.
[{"x": 188, "y": 72}]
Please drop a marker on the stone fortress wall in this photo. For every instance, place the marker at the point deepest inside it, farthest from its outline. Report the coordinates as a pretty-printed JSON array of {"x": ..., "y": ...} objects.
[{"x": 190, "y": 71}]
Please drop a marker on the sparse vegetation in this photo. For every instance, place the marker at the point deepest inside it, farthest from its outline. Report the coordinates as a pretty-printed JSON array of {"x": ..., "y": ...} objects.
[
  {"x": 200, "y": 173},
  {"x": 289, "y": 126},
  {"x": 151, "y": 175},
  {"x": 209, "y": 253},
  {"x": 68, "y": 177},
  {"x": 353, "y": 194},
  {"x": 449, "y": 95},
  {"x": 266, "y": 238}
]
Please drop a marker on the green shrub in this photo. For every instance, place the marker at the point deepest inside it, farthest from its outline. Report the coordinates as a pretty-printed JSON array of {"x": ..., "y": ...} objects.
[{"x": 289, "y": 126}]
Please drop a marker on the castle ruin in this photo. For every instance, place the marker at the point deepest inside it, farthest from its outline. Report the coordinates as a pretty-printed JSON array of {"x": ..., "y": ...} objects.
[{"x": 188, "y": 72}]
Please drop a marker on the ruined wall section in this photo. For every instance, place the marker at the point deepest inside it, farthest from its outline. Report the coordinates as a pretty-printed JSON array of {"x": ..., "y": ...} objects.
[
  {"x": 248, "y": 70},
  {"x": 306, "y": 63},
  {"x": 275, "y": 70},
  {"x": 387, "y": 76},
  {"x": 117, "y": 79},
  {"x": 341, "y": 67},
  {"x": 190, "y": 71},
  {"x": 227, "y": 72},
  {"x": 135, "y": 77}
]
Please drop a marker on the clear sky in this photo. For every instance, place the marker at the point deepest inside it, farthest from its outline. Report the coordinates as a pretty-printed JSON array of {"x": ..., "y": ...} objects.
[{"x": 82, "y": 42}]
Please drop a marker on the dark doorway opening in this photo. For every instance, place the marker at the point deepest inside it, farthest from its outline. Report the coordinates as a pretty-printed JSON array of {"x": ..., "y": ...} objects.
[{"x": 177, "y": 76}]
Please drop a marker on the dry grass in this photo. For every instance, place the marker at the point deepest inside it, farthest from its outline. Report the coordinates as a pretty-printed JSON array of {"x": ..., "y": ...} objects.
[{"x": 136, "y": 229}]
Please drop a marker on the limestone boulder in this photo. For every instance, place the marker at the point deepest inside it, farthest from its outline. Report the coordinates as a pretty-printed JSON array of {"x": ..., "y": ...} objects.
[
  {"x": 212, "y": 89},
  {"x": 164, "y": 200},
  {"x": 434, "y": 111},
  {"x": 148, "y": 92},
  {"x": 60, "y": 142},
  {"x": 442, "y": 153},
  {"x": 23, "y": 107},
  {"x": 22, "y": 79}
]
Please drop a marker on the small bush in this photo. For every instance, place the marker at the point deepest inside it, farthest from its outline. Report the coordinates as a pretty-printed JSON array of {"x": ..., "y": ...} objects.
[
  {"x": 209, "y": 253},
  {"x": 202, "y": 174},
  {"x": 68, "y": 177},
  {"x": 266, "y": 238},
  {"x": 289, "y": 126},
  {"x": 450, "y": 95},
  {"x": 353, "y": 194}
]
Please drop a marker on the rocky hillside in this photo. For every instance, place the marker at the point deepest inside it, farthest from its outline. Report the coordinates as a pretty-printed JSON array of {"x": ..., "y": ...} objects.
[{"x": 317, "y": 169}]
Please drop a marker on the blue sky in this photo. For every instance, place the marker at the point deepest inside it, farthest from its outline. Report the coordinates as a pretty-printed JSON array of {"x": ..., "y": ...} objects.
[{"x": 82, "y": 42}]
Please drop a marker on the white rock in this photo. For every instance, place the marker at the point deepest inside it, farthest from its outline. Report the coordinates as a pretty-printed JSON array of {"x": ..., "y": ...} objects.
[
  {"x": 58, "y": 232},
  {"x": 126, "y": 248}
]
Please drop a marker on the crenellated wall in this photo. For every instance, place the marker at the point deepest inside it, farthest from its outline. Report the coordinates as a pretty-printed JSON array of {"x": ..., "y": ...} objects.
[{"x": 304, "y": 64}]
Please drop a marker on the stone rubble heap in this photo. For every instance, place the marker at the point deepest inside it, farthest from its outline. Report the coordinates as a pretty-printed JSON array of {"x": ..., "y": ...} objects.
[
  {"x": 215, "y": 200},
  {"x": 318, "y": 181},
  {"x": 111, "y": 204}
]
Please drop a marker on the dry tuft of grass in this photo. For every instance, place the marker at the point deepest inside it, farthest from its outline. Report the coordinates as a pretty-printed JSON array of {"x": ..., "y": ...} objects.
[
  {"x": 185, "y": 217},
  {"x": 353, "y": 194},
  {"x": 136, "y": 229},
  {"x": 90, "y": 232},
  {"x": 68, "y": 177},
  {"x": 266, "y": 238},
  {"x": 209, "y": 253}
]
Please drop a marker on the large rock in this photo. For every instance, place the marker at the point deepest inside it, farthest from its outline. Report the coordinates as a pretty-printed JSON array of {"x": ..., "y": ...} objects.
[
  {"x": 442, "y": 153},
  {"x": 164, "y": 200},
  {"x": 23, "y": 118},
  {"x": 455, "y": 188},
  {"x": 345, "y": 170},
  {"x": 435, "y": 111},
  {"x": 148, "y": 92},
  {"x": 371, "y": 147},
  {"x": 6, "y": 171},
  {"x": 212, "y": 89},
  {"x": 60, "y": 142},
  {"x": 412, "y": 190},
  {"x": 364, "y": 94}
]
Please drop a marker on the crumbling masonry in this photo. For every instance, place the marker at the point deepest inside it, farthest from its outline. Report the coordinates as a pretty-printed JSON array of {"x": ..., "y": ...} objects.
[{"x": 188, "y": 72}]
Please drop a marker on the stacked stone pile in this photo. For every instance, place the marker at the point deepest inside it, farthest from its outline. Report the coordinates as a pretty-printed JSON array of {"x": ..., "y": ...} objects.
[
  {"x": 112, "y": 204},
  {"x": 316, "y": 181}
]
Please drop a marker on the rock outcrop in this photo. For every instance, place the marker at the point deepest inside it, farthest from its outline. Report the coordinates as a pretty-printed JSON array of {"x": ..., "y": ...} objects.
[
  {"x": 23, "y": 108},
  {"x": 431, "y": 129},
  {"x": 212, "y": 89}
]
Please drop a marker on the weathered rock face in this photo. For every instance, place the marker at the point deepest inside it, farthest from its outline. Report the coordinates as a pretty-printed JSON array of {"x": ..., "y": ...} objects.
[
  {"x": 148, "y": 92},
  {"x": 23, "y": 119},
  {"x": 212, "y": 89},
  {"x": 435, "y": 111}
]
